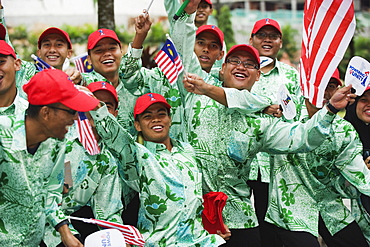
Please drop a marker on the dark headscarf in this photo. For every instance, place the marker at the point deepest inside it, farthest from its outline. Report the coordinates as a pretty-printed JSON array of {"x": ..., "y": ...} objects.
[{"x": 362, "y": 129}]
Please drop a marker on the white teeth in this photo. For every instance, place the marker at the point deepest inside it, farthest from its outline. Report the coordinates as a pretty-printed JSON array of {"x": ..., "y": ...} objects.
[
  {"x": 52, "y": 57},
  {"x": 108, "y": 61},
  {"x": 157, "y": 127},
  {"x": 266, "y": 47},
  {"x": 240, "y": 75}
]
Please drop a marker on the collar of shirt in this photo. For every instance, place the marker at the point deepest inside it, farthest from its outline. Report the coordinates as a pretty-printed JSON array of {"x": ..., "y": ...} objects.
[
  {"x": 154, "y": 147},
  {"x": 276, "y": 68}
]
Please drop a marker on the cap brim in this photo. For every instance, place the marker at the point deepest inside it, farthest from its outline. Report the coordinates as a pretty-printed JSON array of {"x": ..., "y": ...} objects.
[{"x": 81, "y": 102}]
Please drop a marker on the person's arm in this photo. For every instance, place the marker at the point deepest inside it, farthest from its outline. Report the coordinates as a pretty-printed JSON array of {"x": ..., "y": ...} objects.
[{"x": 277, "y": 137}]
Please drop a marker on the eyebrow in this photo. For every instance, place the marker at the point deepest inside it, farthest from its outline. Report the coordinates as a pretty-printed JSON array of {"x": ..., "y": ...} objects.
[
  {"x": 160, "y": 110},
  {"x": 48, "y": 40}
]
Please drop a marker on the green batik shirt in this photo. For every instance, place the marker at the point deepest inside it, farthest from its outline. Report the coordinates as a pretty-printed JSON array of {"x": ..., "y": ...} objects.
[
  {"x": 208, "y": 125},
  {"x": 18, "y": 106},
  {"x": 268, "y": 86},
  {"x": 306, "y": 184},
  {"x": 169, "y": 184},
  {"x": 27, "y": 70},
  {"x": 95, "y": 183},
  {"x": 31, "y": 185}
]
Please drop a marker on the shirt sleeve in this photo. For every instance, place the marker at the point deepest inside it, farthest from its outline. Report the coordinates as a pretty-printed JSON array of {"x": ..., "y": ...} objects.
[
  {"x": 274, "y": 136},
  {"x": 245, "y": 101},
  {"x": 55, "y": 184}
]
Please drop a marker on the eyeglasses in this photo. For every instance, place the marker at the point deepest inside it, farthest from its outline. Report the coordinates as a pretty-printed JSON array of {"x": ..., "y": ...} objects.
[
  {"x": 72, "y": 112},
  {"x": 272, "y": 36},
  {"x": 246, "y": 64}
]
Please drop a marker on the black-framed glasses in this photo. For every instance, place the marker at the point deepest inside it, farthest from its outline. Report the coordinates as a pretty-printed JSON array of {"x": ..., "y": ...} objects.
[
  {"x": 72, "y": 112},
  {"x": 272, "y": 36},
  {"x": 246, "y": 64}
]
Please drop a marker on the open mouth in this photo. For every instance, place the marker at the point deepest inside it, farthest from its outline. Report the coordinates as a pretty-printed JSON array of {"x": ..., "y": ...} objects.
[
  {"x": 157, "y": 128},
  {"x": 109, "y": 61}
]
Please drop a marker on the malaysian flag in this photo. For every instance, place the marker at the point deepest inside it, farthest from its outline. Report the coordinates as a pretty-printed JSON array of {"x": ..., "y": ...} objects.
[
  {"x": 86, "y": 135},
  {"x": 40, "y": 64},
  {"x": 82, "y": 64},
  {"x": 169, "y": 61},
  {"x": 131, "y": 233},
  {"x": 328, "y": 27}
]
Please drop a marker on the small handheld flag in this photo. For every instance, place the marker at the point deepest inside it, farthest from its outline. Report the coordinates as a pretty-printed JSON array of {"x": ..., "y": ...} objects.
[
  {"x": 169, "y": 61},
  {"x": 82, "y": 64},
  {"x": 40, "y": 64},
  {"x": 131, "y": 233},
  {"x": 86, "y": 135},
  {"x": 286, "y": 102}
]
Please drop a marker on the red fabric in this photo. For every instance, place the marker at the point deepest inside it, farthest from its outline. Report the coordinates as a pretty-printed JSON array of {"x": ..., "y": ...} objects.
[{"x": 214, "y": 202}]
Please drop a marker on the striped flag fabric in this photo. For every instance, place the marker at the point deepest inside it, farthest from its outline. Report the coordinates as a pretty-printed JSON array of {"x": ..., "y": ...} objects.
[
  {"x": 328, "y": 27},
  {"x": 82, "y": 63},
  {"x": 169, "y": 61},
  {"x": 131, "y": 233},
  {"x": 86, "y": 135}
]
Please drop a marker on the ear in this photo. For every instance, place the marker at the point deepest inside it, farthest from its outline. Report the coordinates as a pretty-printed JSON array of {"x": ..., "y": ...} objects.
[
  {"x": 221, "y": 55},
  {"x": 38, "y": 52},
  {"x": 45, "y": 113},
  {"x": 89, "y": 59},
  {"x": 137, "y": 125},
  {"x": 17, "y": 64},
  {"x": 251, "y": 41},
  {"x": 69, "y": 53}
]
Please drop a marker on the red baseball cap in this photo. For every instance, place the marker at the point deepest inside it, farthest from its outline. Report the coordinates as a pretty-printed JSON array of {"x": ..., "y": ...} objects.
[
  {"x": 337, "y": 77},
  {"x": 265, "y": 22},
  {"x": 55, "y": 30},
  {"x": 51, "y": 86},
  {"x": 212, "y": 29},
  {"x": 146, "y": 100},
  {"x": 6, "y": 49},
  {"x": 2, "y": 32},
  {"x": 102, "y": 33},
  {"x": 102, "y": 85},
  {"x": 208, "y": 1},
  {"x": 248, "y": 48}
]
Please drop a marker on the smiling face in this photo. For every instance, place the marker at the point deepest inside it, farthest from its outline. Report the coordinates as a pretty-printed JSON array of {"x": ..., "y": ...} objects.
[
  {"x": 106, "y": 57},
  {"x": 266, "y": 46},
  {"x": 208, "y": 49},
  {"x": 8, "y": 68},
  {"x": 57, "y": 121},
  {"x": 203, "y": 11},
  {"x": 363, "y": 107},
  {"x": 54, "y": 50},
  {"x": 154, "y": 124},
  {"x": 237, "y": 76}
]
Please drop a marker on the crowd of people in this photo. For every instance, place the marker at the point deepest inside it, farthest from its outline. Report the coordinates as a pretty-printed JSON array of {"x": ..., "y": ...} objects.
[{"x": 163, "y": 146}]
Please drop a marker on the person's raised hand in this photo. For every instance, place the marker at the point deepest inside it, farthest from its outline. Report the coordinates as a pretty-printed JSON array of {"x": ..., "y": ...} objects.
[{"x": 342, "y": 97}]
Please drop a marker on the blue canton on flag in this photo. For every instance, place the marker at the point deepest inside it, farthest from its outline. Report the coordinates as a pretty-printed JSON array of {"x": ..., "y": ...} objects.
[
  {"x": 40, "y": 64},
  {"x": 169, "y": 61}
]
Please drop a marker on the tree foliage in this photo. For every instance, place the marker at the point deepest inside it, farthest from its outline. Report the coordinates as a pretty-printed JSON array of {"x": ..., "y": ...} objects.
[{"x": 224, "y": 23}]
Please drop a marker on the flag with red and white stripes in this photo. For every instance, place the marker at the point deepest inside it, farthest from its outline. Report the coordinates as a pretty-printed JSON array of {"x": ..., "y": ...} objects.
[
  {"x": 82, "y": 64},
  {"x": 169, "y": 61},
  {"x": 131, "y": 233},
  {"x": 86, "y": 135},
  {"x": 328, "y": 27}
]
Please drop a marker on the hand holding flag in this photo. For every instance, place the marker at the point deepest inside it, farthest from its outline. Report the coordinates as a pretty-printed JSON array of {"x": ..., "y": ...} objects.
[{"x": 82, "y": 64}]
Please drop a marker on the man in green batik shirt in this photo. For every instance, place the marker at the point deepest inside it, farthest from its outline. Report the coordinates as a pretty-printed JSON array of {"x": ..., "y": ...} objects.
[
  {"x": 10, "y": 101},
  {"x": 266, "y": 37},
  {"x": 93, "y": 180},
  {"x": 164, "y": 171},
  {"x": 32, "y": 160},
  {"x": 215, "y": 124}
]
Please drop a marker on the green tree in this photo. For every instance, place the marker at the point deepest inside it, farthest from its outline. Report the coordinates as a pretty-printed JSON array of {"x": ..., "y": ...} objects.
[
  {"x": 290, "y": 46},
  {"x": 224, "y": 23}
]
